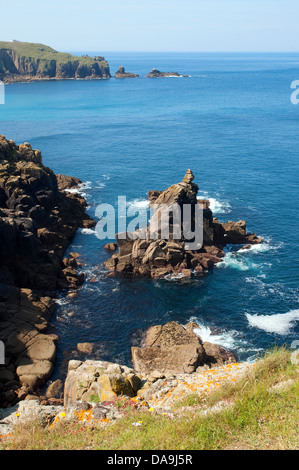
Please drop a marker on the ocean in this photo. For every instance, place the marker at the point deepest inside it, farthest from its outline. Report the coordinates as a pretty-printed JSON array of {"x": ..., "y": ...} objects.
[{"x": 233, "y": 124}]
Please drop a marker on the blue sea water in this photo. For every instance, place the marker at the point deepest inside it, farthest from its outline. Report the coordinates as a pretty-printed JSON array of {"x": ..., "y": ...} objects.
[{"x": 233, "y": 124}]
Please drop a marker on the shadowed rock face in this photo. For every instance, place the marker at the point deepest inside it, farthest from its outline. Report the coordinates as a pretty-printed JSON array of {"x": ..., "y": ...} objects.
[
  {"x": 38, "y": 219},
  {"x": 156, "y": 256}
]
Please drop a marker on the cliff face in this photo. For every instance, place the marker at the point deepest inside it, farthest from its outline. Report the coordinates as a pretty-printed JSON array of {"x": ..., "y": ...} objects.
[
  {"x": 38, "y": 219},
  {"x": 25, "y": 61}
]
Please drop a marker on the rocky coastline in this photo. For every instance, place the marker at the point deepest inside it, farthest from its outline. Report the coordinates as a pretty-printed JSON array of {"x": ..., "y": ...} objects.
[
  {"x": 38, "y": 220},
  {"x": 23, "y": 62},
  {"x": 27, "y": 62},
  {"x": 172, "y": 361}
]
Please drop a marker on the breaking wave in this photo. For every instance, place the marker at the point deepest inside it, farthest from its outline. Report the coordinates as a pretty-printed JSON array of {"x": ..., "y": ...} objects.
[{"x": 280, "y": 323}]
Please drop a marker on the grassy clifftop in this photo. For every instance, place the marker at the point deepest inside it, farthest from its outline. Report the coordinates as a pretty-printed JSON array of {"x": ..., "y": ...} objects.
[
  {"x": 260, "y": 411},
  {"x": 32, "y": 60}
]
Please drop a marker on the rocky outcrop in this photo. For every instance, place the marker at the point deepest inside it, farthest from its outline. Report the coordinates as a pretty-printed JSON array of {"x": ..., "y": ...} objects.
[
  {"x": 21, "y": 61},
  {"x": 155, "y": 73},
  {"x": 121, "y": 73},
  {"x": 175, "y": 349},
  {"x": 168, "y": 352},
  {"x": 235, "y": 233},
  {"x": 99, "y": 381},
  {"x": 148, "y": 253},
  {"x": 169, "y": 349},
  {"x": 38, "y": 219}
]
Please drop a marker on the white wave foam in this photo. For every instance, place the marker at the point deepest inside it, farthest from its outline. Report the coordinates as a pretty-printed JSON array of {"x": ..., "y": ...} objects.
[
  {"x": 138, "y": 204},
  {"x": 232, "y": 260},
  {"x": 280, "y": 323},
  {"x": 266, "y": 245},
  {"x": 100, "y": 185},
  {"x": 276, "y": 289},
  {"x": 174, "y": 277},
  {"x": 216, "y": 206},
  {"x": 81, "y": 188},
  {"x": 225, "y": 339},
  {"x": 62, "y": 301},
  {"x": 230, "y": 340},
  {"x": 88, "y": 231}
]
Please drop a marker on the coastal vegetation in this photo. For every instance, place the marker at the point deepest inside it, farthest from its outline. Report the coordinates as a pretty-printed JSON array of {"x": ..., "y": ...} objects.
[
  {"x": 26, "y": 60},
  {"x": 261, "y": 412}
]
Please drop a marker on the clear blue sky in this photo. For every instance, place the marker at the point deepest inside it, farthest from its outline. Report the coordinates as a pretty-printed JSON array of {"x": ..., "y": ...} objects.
[{"x": 154, "y": 25}]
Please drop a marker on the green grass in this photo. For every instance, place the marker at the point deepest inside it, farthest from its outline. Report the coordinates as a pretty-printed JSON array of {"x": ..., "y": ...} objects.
[
  {"x": 257, "y": 419},
  {"x": 42, "y": 52}
]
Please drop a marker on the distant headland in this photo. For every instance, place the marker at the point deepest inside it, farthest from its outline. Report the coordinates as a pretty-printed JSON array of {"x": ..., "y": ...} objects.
[{"x": 25, "y": 61}]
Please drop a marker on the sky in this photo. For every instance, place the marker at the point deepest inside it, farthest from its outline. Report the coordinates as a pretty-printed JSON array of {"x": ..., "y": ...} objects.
[{"x": 154, "y": 25}]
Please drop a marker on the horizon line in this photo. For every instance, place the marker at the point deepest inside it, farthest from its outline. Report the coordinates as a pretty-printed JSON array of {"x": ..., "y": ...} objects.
[{"x": 192, "y": 52}]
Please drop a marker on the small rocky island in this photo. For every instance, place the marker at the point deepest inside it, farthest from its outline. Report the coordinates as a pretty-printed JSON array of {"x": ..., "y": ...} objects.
[
  {"x": 155, "y": 73},
  {"x": 121, "y": 73},
  {"x": 25, "y": 61},
  {"x": 159, "y": 258}
]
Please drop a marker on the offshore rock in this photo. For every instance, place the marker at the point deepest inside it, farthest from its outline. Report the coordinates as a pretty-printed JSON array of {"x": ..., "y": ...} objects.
[
  {"x": 142, "y": 254},
  {"x": 155, "y": 73},
  {"x": 121, "y": 73}
]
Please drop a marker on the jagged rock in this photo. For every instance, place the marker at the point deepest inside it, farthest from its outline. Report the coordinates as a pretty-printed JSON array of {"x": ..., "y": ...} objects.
[
  {"x": 121, "y": 73},
  {"x": 111, "y": 246},
  {"x": 147, "y": 252},
  {"x": 55, "y": 389},
  {"x": 153, "y": 195},
  {"x": 38, "y": 219},
  {"x": 67, "y": 182},
  {"x": 155, "y": 73},
  {"x": 32, "y": 245},
  {"x": 169, "y": 349},
  {"x": 99, "y": 381},
  {"x": 175, "y": 349},
  {"x": 216, "y": 355}
]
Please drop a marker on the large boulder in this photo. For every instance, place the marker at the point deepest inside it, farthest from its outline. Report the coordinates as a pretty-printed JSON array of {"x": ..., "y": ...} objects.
[
  {"x": 99, "y": 381},
  {"x": 176, "y": 349},
  {"x": 169, "y": 349},
  {"x": 217, "y": 355}
]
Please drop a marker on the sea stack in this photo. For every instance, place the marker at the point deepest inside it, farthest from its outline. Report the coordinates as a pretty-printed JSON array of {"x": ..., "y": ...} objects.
[
  {"x": 121, "y": 73},
  {"x": 140, "y": 254}
]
